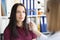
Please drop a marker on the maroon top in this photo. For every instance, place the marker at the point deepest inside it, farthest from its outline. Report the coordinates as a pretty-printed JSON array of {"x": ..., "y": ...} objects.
[{"x": 22, "y": 35}]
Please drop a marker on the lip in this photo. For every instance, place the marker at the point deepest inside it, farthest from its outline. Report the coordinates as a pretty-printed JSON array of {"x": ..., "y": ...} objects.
[{"x": 20, "y": 18}]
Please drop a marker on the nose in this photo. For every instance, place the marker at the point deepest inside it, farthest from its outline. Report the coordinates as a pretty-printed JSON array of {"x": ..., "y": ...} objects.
[{"x": 21, "y": 14}]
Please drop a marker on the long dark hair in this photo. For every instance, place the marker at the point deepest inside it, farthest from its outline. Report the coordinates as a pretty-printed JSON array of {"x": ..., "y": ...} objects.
[{"x": 12, "y": 23}]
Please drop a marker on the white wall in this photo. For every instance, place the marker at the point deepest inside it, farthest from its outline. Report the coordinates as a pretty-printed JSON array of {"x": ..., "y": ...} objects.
[
  {"x": 0, "y": 7},
  {"x": 0, "y": 25},
  {"x": 0, "y": 16}
]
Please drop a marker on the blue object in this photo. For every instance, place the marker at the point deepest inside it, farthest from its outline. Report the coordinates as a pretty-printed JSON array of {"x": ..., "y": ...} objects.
[{"x": 43, "y": 25}]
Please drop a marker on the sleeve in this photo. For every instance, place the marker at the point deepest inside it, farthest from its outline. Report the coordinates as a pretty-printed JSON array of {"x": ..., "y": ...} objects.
[
  {"x": 42, "y": 37},
  {"x": 6, "y": 34},
  {"x": 33, "y": 35}
]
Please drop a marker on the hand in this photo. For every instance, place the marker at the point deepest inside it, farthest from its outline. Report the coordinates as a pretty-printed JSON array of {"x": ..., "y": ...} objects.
[{"x": 32, "y": 26}]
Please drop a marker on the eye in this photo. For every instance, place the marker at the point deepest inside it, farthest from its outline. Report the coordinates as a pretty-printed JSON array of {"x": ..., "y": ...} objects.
[
  {"x": 23, "y": 11},
  {"x": 47, "y": 9},
  {"x": 18, "y": 12}
]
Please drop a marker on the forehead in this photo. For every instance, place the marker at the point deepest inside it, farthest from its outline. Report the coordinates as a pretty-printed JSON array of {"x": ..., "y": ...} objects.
[{"x": 20, "y": 8}]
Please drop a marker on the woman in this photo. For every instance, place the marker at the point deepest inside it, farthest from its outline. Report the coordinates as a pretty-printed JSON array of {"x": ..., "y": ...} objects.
[
  {"x": 53, "y": 19},
  {"x": 17, "y": 28}
]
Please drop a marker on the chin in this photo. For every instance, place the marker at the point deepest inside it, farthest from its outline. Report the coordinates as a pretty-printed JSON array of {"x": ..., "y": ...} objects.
[{"x": 21, "y": 20}]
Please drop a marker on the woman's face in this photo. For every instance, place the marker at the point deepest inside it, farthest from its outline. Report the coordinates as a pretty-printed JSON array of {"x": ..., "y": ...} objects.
[{"x": 20, "y": 14}]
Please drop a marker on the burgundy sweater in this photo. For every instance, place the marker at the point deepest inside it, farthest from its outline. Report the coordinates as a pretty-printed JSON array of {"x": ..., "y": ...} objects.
[{"x": 22, "y": 35}]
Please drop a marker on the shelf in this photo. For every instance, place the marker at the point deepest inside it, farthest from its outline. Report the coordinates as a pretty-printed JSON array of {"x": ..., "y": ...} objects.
[
  {"x": 4, "y": 17},
  {"x": 42, "y": 15},
  {"x": 32, "y": 16},
  {"x": 35, "y": 15}
]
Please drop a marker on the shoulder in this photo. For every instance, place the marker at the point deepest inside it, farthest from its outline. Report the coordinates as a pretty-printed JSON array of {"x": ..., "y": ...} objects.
[
  {"x": 55, "y": 36},
  {"x": 7, "y": 29},
  {"x": 7, "y": 33}
]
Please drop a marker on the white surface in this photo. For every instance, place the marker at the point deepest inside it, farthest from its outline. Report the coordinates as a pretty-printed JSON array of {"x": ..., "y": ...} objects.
[
  {"x": 3, "y": 24},
  {"x": 0, "y": 24},
  {"x": 55, "y": 36},
  {"x": 0, "y": 7}
]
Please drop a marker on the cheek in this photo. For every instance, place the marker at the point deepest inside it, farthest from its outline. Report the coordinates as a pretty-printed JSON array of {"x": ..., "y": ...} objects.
[
  {"x": 24, "y": 15},
  {"x": 17, "y": 15},
  {"x": 47, "y": 16}
]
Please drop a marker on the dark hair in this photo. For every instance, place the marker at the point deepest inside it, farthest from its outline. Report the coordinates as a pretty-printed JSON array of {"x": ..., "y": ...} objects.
[{"x": 12, "y": 24}]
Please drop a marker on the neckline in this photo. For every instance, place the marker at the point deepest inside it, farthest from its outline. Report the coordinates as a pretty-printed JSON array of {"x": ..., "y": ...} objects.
[{"x": 20, "y": 27}]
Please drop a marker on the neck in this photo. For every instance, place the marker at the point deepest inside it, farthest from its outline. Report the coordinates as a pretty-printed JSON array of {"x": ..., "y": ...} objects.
[{"x": 19, "y": 24}]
